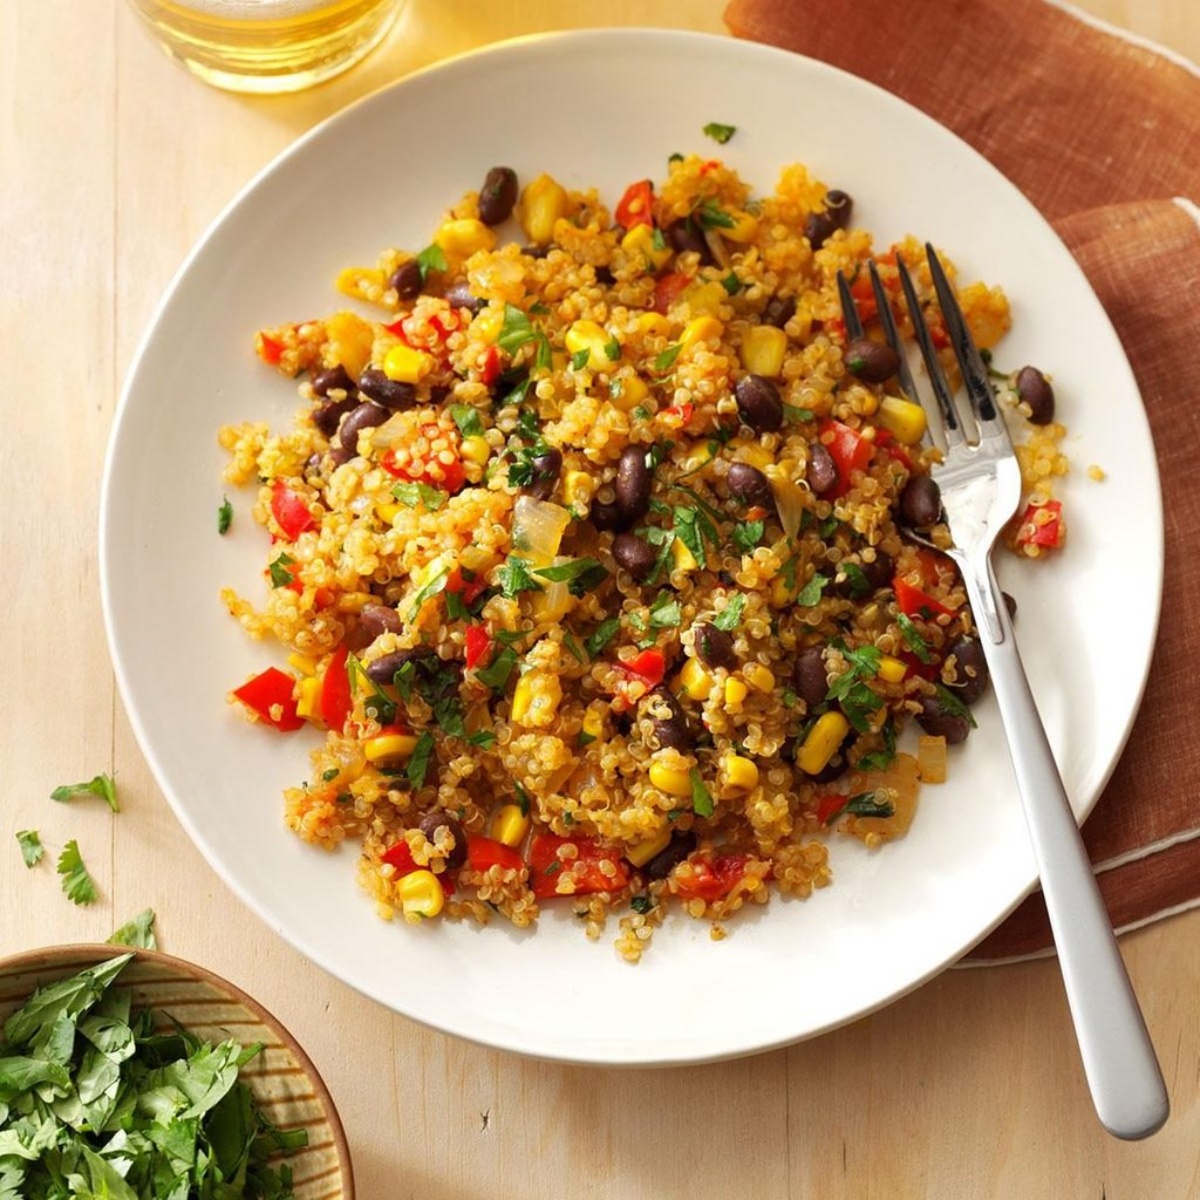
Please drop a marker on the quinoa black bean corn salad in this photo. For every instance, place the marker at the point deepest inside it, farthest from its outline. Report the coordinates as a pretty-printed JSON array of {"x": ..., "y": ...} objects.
[{"x": 589, "y": 551}]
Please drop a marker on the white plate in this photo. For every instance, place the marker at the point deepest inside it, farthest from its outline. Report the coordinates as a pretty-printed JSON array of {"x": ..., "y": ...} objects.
[{"x": 606, "y": 108}]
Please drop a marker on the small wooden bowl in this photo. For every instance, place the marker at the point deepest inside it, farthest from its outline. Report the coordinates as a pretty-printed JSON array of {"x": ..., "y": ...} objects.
[{"x": 286, "y": 1085}]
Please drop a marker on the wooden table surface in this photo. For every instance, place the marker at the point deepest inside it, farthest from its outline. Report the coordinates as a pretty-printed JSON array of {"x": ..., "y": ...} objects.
[{"x": 112, "y": 162}]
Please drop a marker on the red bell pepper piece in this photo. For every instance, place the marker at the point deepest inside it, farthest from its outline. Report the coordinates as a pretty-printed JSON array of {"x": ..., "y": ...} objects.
[
  {"x": 336, "y": 701},
  {"x": 396, "y": 328},
  {"x": 489, "y": 367},
  {"x": 636, "y": 206},
  {"x": 1036, "y": 530},
  {"x": 828, "y": 806},
  {"x": 290, "y": 511},
  {"x": 477, "y": 642},
  {"x": 400, "y": 857},
  {"x": 545, "y": 865},
  {"x": 270, "y": 696},
  {"x": 677, "y": 415},
  {"x": 886, "y": 441},
  {"x": 270, "y": 349},
  {"x": 648, "y": 666},
  {"x": 849, "y": 450},
  {"x": 913, "y": 602},
  {"x": 712, "y": 877},
  {"x": 485, "y": 852},
  {"x": 667, "y": 289},
  {"x": 468, "y": 590},
  {"x": 450, "y": 478}
]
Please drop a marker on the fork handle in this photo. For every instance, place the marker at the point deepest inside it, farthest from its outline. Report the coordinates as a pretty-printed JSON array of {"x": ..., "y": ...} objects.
[{"x": 1118, "y": 1057}]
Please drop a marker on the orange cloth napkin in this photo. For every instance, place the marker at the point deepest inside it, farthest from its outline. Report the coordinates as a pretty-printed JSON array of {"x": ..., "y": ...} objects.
[{"x": 1103, "y": 135}]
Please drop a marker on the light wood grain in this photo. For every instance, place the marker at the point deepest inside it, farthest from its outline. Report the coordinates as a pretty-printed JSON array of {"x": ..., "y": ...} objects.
[{"x": 112, "y": 162}]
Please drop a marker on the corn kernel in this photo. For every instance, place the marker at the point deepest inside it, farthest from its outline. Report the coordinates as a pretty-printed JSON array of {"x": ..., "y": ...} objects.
[
  {"x": 308, "y": 701},
  {"x": 700, "y": 329},
  {"x": 386, "y": 512},
  {"x": 684, "y": 559},
  {"x": 756, "y": 456},
  {"x": 654, "y": 324},
  {"x": 543, "y": 202},
  {"x": 363, "y": 283},
  {"x": 476, "y": 449},
  {"x": 743, "y": 229},
  {"x": 672, "y": 780},
  {"x": 763, "y": 349},
  {"x": 302, "y": 663},
  {"x": 891, "y": 670},
  {"x": 822, "y": 742},
  {"x": 735, "y": 692},
  {"x": 644, "y": 240},
  {"x": 462, "y": 238},
  {"x": 510, "y": 825},
  {"x": 421, "y": 895},
  {"x": 642, "y": 852},
  {"x": 405, "y": 365},
  {"x": 705, "y": 299},
  {"x": 488, "y": 324},
  {"x": 696, "y": 681},
  {"x": 740, "y": 772},
  {"x": 576, "y": 487},
  {"x": 351, "y": 340},
  {"x": 522, "y": 699},
  {"x": 355, "y": 602},
  {"x": 903, "y": 419},
  {"x": 389, "y": 747},
  {"x": 536, "y": 699},
  {"x": 760, "y": 678},
  {"x": 593, "y": 724},
  {"x": 633, "y": 392},
  {"x": 587, "y": 335}
]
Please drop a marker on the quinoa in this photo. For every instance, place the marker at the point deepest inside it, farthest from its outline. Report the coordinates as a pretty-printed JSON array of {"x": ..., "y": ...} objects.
[{"x": 556, "y": 599}]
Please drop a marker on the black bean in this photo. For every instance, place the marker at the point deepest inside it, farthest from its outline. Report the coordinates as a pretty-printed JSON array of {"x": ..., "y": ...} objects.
[
  {"x": 391, "y": 393},
  {"x": 714, "y": 647},
  {"x": 605, "y": 276},
  {"x": 498, "y": 195},
  {"x": 819, "y": 227},
  {"x": 383, "y": 670},
  {"x": 407, "y": 279},
  {"x": 749, "y": 485},
  {"x": 328, "y": 416},
  {"x": 671, "y": 727},
  {"x": 633, "y": 484},
  {"x": 546, "y": 468},
  {"x": 970, "y": 669},
  {"x": 432, "y": 822},
  {"x": 840, "y": 205},
  {"x": 334, "y": 379},
  {"x": 606, "y": 516},
  {"x": 685, "y": 235},
  {"x": 872, "y": 361},
  {"x": 938, "y": 721},
  {"x": 636, "y": 556},
  {"x": 822, "y": 472},
  {"x": 1034, "y": 388},
  {"x": 459, "y": 295},
  {"x": 869, "y": 577},
  {"x": 1010, "y": 602},
  {"x": 808, "y": 676},
  {"x": 365, "y": 416},
  {"x": 779, "y": 311},
  {"x": 682, "y": 843},
  {"x": 379, "y": 618},
  {"x": 920, "y": 503},
  {"x": 759, "y": 403}
]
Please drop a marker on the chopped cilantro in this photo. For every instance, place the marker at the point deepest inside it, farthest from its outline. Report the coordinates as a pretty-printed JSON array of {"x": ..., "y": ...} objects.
[
  {"x": 431, "y": 259},
  {"x": 810, "y": 594},
  {"x": 138, "y": 931},
  {"x": 913, "y": 639},
  {"x": 718, "y": 132},
  {"x": 433, "y": 587},
  {"x": 601, "y": 636},
  {"x": 522, "y": 797},
  {"x": 418, "y": 765},
  {"x": 674, "y": 158},
  {"x": 77, "y": 884},
  {"x": 496, "y": 674},
  {"x": 485, "y": 739},
  {"x": 278, "y": 570},
  {"x": 584, "y": 739},
  {"x": 580, "y": 574},
  {"x": 518, "y": 330},
  {"x": 712, "y": 216},
  {"x": 467, "y": 419},
  {"x": 799, "y": 415},
  {"x": 612, "y": 350},
  {"x": 330, "y": 775},
  {"x": 657, "y": 240},
  {"x": 224, "y": 516},
  {"x": 856, "y": 577},
  {"x": 103, "y": 786},
  {"x": 664, "y": 361},
  {"x": 641, "y": 904},
  {"x": 515, "y": 578},
  {"x": 579, "y": 359},
  {"x": 522, "y": 471},
  {"x": 665, "y": 612},
  {"x": 869, "y": 804},
  {"x": 575, "y": 649},
  {"x": 952, "y": 705},
  {"x": 730, "y": 616},
  {"x": 731, "y": 283},
  {"x": 748, "y": 534},
  {"x": 412, "y": 494},
  {"x": 880, "y": 760},
  {"x": 702, "y": 801},
  {"x": 456, "y": 608},
  {"x": 32, "y": 849},
  {"x": 855, "y": 698}
]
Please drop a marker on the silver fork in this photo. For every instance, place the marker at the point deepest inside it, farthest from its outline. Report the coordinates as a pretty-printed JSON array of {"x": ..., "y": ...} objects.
[{"x": 980, "y": 484}]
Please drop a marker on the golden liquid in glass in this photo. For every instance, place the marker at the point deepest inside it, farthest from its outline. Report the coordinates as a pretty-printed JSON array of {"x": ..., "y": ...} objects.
[{"x": 267, "y": 45}]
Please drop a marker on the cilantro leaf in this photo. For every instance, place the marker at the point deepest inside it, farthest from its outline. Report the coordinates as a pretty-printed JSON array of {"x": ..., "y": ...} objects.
[
  {"x": 573, "y": 647},
  {"x": 103, "y": 786},
  {"x": 731, "y": 283},
  {"x": 522, "y": 797},
  {"x": 32, "y": 849},
  {"x": 880, "y": 760},
  {"x": 581, "y": 575},
  {"x": 431, "y": 259},
  {"x": 579, "y": 359},
  {"x": 496, "y": 674},
  {"x": 857, "y": 700},
  {"x": 712, "y": 216},
  {"x": 913, "y": 639},
  {"x": 137, "y": 932},
  {"x": 418, "y": 764},
  {"x": 514, "y": 578},
  {"x": 224, "y": 517},
  {"x": 412, "y": 494},
  {"x": 77, "y": 884},
  {"x": 952, "y": 705},
  {"x": 856, "y": 577},
  {"x": 467, "y": 419},
  {"x": 718, "y": 132},
  {"x": 435, "y": 585},
  {"x": 665, "y": 360},
  {"x": 702, "y": 801},
  {"x": 810, "y": 593},
  {"x": 601, "y": 636},
  {"x": 748, "y": 534},
  {"x": 483, "y": 738},
  {"x": 730, "y": 616},
  {"x": 665, "y": 612},
  {"x": 517, "y": 330},
  {"x": 869, "y": 804},
  {"x": 278, "y": 570}
]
